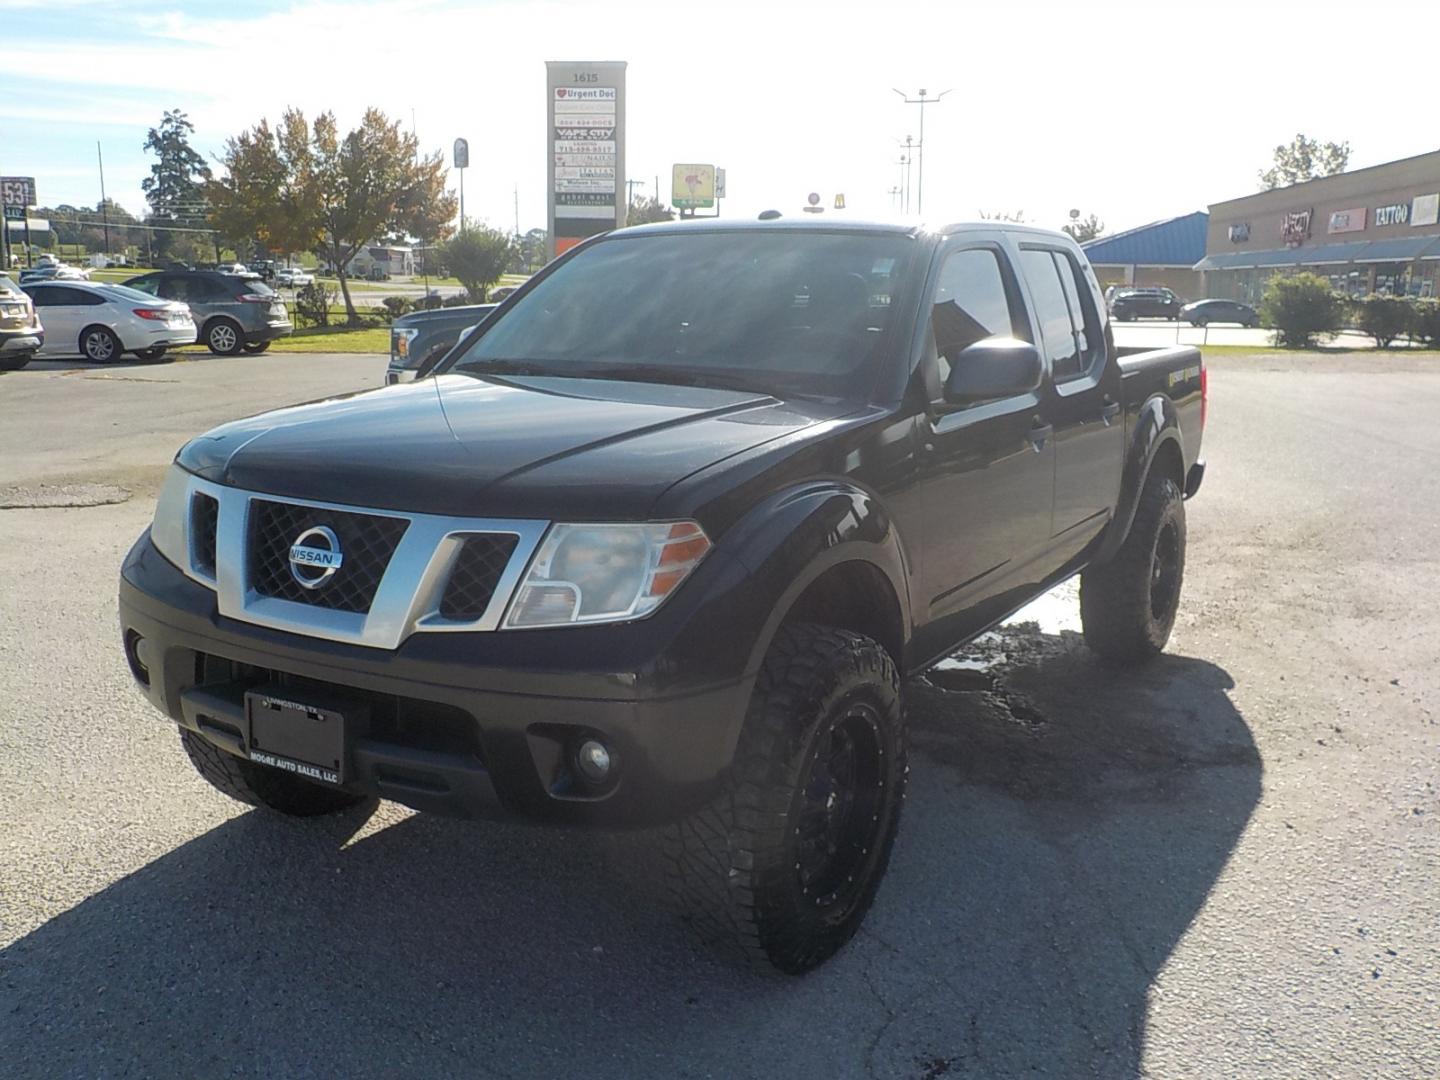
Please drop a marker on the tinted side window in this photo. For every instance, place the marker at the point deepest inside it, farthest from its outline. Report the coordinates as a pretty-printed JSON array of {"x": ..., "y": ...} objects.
[
  {"x": 172, "y": 288},
  {"x": 60, "y": 296},
  {"x": 1077, "y": 318},
  {"x": 209, "y": 291},
  {"x": 145, "y": 285},
  {"x": 40, "y": 295},
  {"x": 971, "y": 304},
  {"x": 1052, "y": 311}
]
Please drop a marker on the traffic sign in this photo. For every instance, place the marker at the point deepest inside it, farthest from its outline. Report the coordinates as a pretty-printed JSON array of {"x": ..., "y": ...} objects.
[
  {"x": 462, "y": 154},
  {"x": 719, "y": 183}
]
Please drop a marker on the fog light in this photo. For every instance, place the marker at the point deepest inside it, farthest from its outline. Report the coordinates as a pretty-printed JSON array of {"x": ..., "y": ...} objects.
[
  {"x": 137, "y": 653},
  {"x": 592, "y": 759}
]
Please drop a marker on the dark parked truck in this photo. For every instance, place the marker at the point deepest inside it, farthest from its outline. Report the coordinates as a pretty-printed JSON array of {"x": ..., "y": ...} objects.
[
  {"x": 419, "y": 340},
  {"x": 661, "y": 541}
]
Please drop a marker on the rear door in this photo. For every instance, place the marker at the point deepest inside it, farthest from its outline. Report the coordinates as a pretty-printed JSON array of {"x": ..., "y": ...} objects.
[
  {"x": 987, "y": 470},
  {"x": 1083, "y": 398}
]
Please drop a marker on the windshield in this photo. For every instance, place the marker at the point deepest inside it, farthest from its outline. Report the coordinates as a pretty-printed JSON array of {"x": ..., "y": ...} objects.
[{"x": 806, "y": 313}]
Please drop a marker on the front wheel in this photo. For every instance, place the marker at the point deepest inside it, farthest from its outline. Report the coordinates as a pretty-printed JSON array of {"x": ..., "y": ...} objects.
[
  {"x": 785, "y": 862},
  {"x": 1128, "y": 605},
  {"x": 260, "y": 785},
  {"x": 256, "y": 346}
]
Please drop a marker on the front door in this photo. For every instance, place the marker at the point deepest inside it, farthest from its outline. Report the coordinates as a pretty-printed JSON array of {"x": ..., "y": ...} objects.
[
  {"x": 1083, "y": 400},
  {"x": 987, "y": 470}
]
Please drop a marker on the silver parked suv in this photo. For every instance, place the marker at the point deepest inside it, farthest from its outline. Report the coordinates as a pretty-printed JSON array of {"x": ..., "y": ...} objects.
[{"x": 232, "y": 312}]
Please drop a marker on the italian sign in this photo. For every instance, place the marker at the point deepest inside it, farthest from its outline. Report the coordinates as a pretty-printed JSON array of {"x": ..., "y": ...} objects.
[
  {"x": 17, "y": 190},
  {"x": 1425, "y": 209},
  {"x": 692, "y": 186},
  {"x": 1295, "y": 227},
  {"x": 586, "y": 170}
]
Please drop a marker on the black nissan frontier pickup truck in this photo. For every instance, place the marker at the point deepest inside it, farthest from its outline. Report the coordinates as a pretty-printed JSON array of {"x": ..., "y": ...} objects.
[{"x": 661, "y": 541}]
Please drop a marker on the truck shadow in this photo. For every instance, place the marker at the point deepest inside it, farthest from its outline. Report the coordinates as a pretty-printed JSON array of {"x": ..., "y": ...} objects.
[{"x": 1066, "y": 824}]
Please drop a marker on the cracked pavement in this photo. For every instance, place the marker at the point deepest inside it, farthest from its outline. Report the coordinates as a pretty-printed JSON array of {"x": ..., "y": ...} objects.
[{"x": 1223, "y": 865}]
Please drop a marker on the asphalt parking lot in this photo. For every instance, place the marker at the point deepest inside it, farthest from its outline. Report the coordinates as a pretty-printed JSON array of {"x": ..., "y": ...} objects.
[{"x": 1226, "y": 865}]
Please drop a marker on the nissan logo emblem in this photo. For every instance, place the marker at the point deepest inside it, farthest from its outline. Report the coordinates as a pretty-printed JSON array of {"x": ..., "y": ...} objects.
[{"x": 315, "y": 556}]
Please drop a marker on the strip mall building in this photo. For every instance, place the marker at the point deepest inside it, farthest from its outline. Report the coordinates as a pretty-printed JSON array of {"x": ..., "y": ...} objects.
[{"x": 1371, "y": 230}]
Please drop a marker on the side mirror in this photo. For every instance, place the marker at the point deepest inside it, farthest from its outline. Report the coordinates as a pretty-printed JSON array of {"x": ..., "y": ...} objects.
[{"x": 998, "y": 367}]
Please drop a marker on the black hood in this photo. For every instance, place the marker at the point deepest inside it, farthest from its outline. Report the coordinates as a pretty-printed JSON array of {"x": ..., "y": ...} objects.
[{"x": 514, "y": 447}]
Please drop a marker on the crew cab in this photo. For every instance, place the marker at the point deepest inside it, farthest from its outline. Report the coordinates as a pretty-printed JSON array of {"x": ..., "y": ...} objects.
[{"x": 661, "y": 541}]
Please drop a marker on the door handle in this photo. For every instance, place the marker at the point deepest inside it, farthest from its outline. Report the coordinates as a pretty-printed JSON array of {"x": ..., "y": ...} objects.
[
  {"x": 1040, "y": 433},
  {"x": 1110, "y": 411}
]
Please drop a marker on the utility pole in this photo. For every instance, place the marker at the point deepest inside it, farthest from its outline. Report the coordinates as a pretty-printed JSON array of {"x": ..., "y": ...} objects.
[
  {"x": 630, "y": 186},
  {"x": 104, "y": 207},
  {"x": 922, "y": 101},
  {"x": 517, "y": 212},
  {"x": 894, "y": 194}
]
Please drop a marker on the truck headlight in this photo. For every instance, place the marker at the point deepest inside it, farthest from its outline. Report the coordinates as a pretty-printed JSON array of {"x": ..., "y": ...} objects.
[
  {"x": 167, "y": 531},
  {"x": 400, "y": 338},
  {"x": 605, "y": 573}
]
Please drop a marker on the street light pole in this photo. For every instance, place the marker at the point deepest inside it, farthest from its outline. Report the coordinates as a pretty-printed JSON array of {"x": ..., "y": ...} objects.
[
  {"x": 923, "y": 100},
  {"x": 104, "y": 207}
]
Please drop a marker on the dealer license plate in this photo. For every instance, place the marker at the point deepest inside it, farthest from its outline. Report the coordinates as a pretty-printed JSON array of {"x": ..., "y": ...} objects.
[{"x": 300, "y": 737}]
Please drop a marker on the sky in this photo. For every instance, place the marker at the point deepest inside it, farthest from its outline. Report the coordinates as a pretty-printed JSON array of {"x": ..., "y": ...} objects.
[{"x": 1134, "y": 112}]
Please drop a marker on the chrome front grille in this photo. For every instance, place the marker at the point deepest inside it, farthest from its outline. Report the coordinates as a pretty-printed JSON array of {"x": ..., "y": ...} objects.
[{"x": 400, "y": 574}]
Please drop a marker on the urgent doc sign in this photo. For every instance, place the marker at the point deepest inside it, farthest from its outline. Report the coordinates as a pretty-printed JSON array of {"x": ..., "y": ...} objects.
[{"x": 585, "y": 173}]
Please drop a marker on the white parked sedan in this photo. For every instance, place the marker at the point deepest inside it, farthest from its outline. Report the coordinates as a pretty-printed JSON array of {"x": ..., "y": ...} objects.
[
  {"x": 294, "y": 277},
  {"x": 101, "y": 321}
]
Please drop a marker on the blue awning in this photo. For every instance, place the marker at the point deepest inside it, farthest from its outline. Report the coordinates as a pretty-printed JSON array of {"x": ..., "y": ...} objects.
[
  {"x": 1405, "y": 249},
  {"x": 1357, "y": 251}
]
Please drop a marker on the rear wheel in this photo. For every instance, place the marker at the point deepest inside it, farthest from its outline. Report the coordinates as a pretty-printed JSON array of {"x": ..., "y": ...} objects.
[
  {"x": 1128, "y": 605},
  {"x": 224, "y": 337},
  {"x": 785, "y": 862},
  {"x": 256, "y": 346},
  {"x": 99, "y": 344},
  {"x": 260, "y": 785}
]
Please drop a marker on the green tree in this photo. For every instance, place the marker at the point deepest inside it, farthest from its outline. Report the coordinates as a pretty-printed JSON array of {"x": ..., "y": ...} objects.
[
  {"x": 478, "y": 256},
  {"x": 371, "y": 183},
  {"x": 1300, "y": 308},
  {"x": 532, "y": 249},
  {"x": 1304, "y": 159},
  {"x": 1017, "y": 216},
  {"x": 175, "y": 187},
  {"x": 1083, "y": 230},
  {"x": 643, "y": 211},
  {"x": 302, "y": 187},
  {"x": 1384, "y": 318}
]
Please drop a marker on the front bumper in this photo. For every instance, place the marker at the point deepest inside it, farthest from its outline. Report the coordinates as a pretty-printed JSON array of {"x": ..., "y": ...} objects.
[{"x": 450, "y": 726}]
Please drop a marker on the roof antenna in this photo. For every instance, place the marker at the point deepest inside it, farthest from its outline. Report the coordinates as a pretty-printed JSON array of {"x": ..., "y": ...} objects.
[{"x": 769, "y": 215}]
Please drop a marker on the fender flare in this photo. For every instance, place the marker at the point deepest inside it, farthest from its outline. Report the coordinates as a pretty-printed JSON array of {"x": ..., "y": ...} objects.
[
  {"x": 1156, "y": 424},
  {"x": 792, "y": 538}
]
